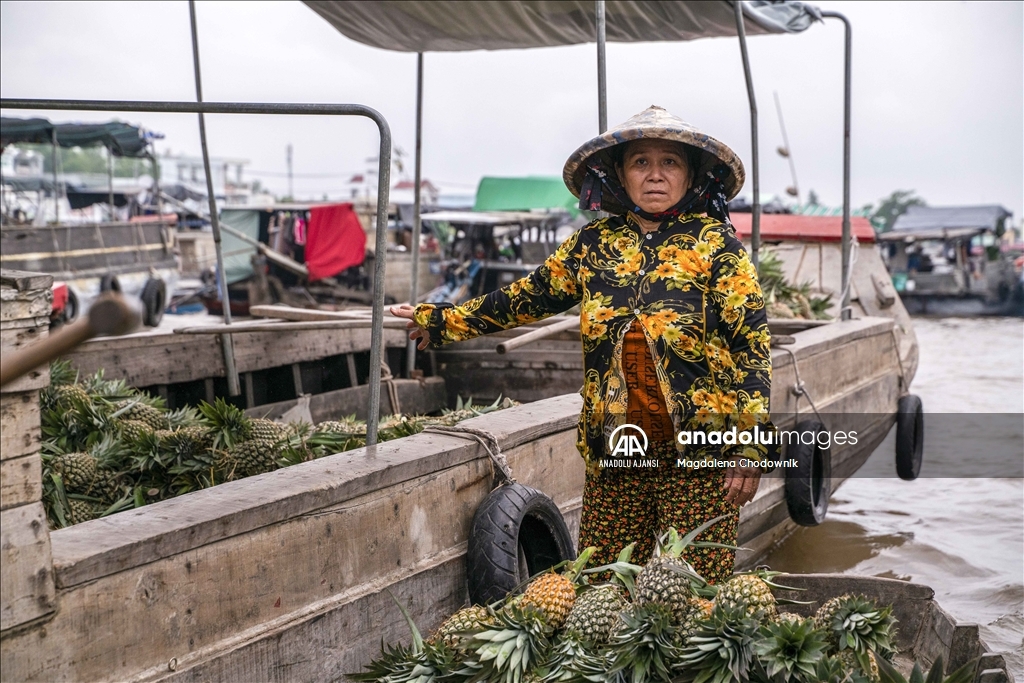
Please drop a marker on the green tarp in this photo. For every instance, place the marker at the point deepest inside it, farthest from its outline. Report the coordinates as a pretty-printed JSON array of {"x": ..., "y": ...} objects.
[
  {"x": 524, "y": 194},
  {"x": 238, "y": 254},
  {"x": 121, "y": 139}
]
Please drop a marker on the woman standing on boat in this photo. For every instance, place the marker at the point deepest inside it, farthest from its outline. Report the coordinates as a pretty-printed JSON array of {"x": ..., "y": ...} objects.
[{"x": 674, "y": 330}]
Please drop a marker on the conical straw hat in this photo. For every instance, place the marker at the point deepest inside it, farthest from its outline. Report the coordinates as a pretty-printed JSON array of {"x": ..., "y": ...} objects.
[{"x": 658, "y": 123}]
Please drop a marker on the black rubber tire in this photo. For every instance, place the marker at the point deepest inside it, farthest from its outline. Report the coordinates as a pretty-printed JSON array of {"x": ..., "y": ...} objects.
[
  {"x": 72, "y": 308},
  {"x": 809, "y": 483},
  {"x": 909, "y": 437},
  {"x": 110, "y": 283},
  {"x": 154, "y": 301},
  {"x": 515, "y": 525}
]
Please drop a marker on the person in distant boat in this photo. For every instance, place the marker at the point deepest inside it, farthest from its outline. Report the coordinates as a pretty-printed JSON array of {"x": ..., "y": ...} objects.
[{"x": 674, "y": 331}]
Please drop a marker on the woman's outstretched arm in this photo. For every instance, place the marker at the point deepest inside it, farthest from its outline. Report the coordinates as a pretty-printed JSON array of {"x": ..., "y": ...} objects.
[{"x": 551, "y": 288}]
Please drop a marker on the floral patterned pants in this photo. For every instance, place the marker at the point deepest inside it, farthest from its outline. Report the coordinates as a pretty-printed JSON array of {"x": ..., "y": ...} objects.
[{"x": 623, "y": 505}]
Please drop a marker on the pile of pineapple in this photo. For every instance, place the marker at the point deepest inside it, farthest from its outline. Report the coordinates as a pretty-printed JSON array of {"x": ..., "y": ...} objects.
[
  {"x": 108, "y": 447},
  {"x": 660, "y": 622}
]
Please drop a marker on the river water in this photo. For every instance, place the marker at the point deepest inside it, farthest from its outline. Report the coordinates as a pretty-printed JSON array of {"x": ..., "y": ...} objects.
[{"x": 964, "y": 537}]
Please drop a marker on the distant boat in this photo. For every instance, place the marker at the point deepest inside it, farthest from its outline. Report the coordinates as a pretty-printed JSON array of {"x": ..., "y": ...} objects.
[{"x": 951, "y": 261}]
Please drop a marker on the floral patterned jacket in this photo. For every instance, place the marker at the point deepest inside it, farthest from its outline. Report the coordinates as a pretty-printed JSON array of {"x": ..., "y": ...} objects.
[{"x": 696, "y": 293}]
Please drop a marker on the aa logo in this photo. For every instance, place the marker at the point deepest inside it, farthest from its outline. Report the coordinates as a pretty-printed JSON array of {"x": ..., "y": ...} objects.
[{"x": 625, "y": 442}]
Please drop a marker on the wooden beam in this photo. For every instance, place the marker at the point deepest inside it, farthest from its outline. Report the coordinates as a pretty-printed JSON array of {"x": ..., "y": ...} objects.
[
  {"x": 297, "y": 378},
  {"x": 416, "y": 398}
]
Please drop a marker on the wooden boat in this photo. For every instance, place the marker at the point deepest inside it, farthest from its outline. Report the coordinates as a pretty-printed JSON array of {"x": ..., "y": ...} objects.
[
  {"x": 277, "y": 364},
  {"x": 282, "y": 576}
]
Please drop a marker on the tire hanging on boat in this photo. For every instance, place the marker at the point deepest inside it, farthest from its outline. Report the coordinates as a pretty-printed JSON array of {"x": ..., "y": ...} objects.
[
  {"x": 517, "y": 532},
  {"x": 110, "y": 283},
  {"x": 808, "y": 484},
  {"x": 909, "y": 437},
  {"x": 154, "y": 301}
]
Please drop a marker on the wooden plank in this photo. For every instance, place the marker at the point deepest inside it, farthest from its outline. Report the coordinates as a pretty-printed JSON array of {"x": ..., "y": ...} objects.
[
  {"x": 416, "y": 397},
  {"x": 21, "y": 481},
  {"x": 16, "y": 304},
  {"x": 292, "y": 313},
  {"x": 26, "y": 571},
  {"x": 19, "y": 424},
  {"x": 350, "y": 364},
  {"x": 297, "y": 378},
  {"x": 24, "y": 281},
  {"x": 148, "y": 359},
  {"x": 110, "y": 544},
  {"x": 16, "y": 335}
]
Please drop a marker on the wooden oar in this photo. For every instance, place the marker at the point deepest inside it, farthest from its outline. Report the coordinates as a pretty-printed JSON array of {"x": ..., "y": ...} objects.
[
  {"x": 109, "y": 315},
  {"x": 536, "y": 335}
]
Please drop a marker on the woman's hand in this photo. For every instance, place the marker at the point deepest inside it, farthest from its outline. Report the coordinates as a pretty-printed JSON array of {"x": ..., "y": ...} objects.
[
  {"x": 416, "y": 332},
  {"x": 741, "y": 484}
]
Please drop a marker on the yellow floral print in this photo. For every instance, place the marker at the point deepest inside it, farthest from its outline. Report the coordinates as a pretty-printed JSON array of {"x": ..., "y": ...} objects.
[{"x": 696, "y": 294}]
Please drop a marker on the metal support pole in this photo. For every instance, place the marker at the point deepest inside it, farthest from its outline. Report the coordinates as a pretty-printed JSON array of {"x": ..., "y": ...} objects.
[
  {"x": 410, "y": 355},
  {"x": 845, "y": 313},
  {"x": 602, "y": 74},
  {"x": 755, "y": 220},
  {"x": 110, "y": 183},
  {"x": 56, "y": 193},
  {"x": 234, "y": 387},
  {"x": 379, "y": 262},
  {"x": 383, "y": 187}
]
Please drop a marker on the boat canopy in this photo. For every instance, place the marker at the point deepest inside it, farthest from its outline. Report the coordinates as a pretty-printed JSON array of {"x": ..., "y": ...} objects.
[
  {"x": 935, "y": 219},
  {"x": 451, "y": 26},
  {"x": 524, "y": 194},
  {"x": 122, "y": 139}
]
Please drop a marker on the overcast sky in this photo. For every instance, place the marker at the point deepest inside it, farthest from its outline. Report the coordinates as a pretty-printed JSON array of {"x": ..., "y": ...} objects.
[{"x": 938, "y": 96}]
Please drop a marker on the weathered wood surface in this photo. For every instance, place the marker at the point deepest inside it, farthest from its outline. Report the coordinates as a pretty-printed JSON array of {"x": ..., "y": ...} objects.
[
  {"x": 18, "y": 304},
  {"x": 19, "y": 424},
  {"x": 16, "y": 335},
  {"x": 26, "y": 576},
  {"x": 233, "y": 564},
  {"x": 415, "y": 397},
  {"x": 20, "y": 481},
  {"x": 23, "y": 280},
  {"x": 150, "y": 358}
]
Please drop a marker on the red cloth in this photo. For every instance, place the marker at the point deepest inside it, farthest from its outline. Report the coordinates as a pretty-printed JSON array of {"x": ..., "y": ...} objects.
[{"x": 335, "y": 240}]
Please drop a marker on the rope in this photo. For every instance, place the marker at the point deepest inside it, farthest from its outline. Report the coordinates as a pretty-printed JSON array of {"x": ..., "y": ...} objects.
[
  {"x": 800, "y": 389},
  {"x": 853, "y": 261},
  {"x": 899, "y": 359},
  {"x": 389, "y": 381},
  {"x": 502, "y": 471}
]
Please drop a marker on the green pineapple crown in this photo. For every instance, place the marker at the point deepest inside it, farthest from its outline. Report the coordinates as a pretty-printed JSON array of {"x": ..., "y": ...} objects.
[
  {"x": 643, "y": 646},
  {"x": 722, "y": 648},
  {"x": 229, "y": 422},
  {"x": 888, "y": 674},
  {"x": 791, "y": 649},
  {"x": 859, "y": 624}
]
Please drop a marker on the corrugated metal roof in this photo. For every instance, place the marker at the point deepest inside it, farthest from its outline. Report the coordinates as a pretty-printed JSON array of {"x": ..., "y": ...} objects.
[
  {"x": 781, "y": 226},
  {"x": 988, "y": 217}
]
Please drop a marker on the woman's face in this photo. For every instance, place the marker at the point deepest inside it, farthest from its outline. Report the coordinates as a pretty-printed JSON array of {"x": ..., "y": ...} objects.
[{"x": 654, "y": 174}]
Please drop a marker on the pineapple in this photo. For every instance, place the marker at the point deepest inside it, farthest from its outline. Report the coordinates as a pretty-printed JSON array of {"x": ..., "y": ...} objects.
[
  {"x": 668, "y": 579},
  {"x": 254, "y": 456},
  {"x": 77, "y": 470},
  {"x": 67, "y": 395},
  {"x": 553, "y": 594},
  {"x": 510, "y": 649},
  {"x": 464, "y": 621},
  {"x": 854, "y": 622},
  {"x": 699, "y": 610},
  {"x": 229, "y": 423},
  {"x": 722, "y": 648},
  {"x": 349, "y": 426},
  {"x": 81, "y": 511},
  {"x": 268, "y": 430},
  {"x": 791, "y": 648},
  {"x": 133, "y": 430},
  {"x": 643, "y": 646},
  {"x": 964, "y": 674},
  {"x": 134, "y": 409},
  {"x": 594, "y": 614},
  {"x": 863, "y": 664},
  {"x": 750, "y": 593}
]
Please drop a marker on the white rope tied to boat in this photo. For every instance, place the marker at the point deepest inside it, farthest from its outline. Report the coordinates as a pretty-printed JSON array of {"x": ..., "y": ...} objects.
[
  {"x": 490, "y": 443},
  {"x": 389, "y": 381},
  {"x": 800, "y": 389}
]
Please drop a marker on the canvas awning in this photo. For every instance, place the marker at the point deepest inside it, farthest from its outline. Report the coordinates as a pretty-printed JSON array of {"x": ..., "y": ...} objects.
[
  {"x": 122, "y": 139},
  {"x": 524, "y": 194},
  {"x": 455, "y": 25}
]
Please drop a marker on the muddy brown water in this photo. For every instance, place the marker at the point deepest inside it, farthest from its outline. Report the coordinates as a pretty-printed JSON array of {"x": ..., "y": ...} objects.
[{"x": 963, "y": 536}]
